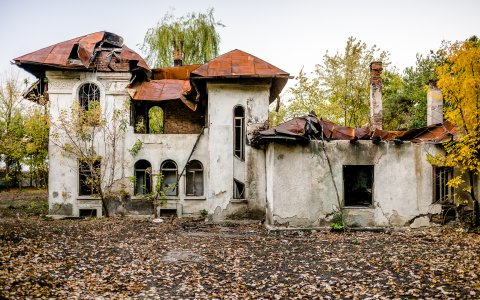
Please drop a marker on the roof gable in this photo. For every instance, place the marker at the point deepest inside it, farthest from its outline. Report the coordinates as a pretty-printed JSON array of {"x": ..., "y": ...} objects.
[{"x": 238, "y": 63}]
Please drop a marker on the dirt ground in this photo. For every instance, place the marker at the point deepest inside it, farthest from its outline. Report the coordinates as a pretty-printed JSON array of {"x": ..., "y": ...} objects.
[{"x": 120, "y": 258}]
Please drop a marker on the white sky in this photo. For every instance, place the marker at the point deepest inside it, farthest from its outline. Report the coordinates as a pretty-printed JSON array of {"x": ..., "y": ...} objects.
[{"x": 288, "y": 34}]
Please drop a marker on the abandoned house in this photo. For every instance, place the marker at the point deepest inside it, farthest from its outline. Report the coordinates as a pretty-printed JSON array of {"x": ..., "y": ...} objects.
[{"x": 215, "y": 151}]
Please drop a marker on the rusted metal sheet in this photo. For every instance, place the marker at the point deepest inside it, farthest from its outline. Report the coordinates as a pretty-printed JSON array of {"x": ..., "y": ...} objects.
[
  {"x": 238, "y": 63},
  {"x": 180, "y": 72},
  {"x": 59, "y": 55},
  {"x": 311, "y": 128},
  {"x": 160, "y": 90}
]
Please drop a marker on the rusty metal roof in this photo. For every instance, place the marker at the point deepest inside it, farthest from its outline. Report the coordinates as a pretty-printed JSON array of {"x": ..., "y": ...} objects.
[
  {"x": 80, "y": 52},
  {"x": 178, "y": 72},
  {"x": 311, "y": 128},
  {"x": 238, "y": 63},
  {"x": 160, "y": 90}
]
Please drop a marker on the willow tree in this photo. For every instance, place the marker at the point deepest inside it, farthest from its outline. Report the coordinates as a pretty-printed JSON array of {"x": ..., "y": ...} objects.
[{"x": 192, "y": 38}]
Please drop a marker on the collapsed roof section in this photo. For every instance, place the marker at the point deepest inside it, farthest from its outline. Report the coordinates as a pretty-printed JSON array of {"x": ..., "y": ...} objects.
[
  {"x": 304, "y": 129},
  {"x": 102, "y": 51}
]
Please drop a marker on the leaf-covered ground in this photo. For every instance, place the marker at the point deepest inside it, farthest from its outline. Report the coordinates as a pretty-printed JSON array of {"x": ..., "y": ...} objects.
[{"x": 132, "y": 258}]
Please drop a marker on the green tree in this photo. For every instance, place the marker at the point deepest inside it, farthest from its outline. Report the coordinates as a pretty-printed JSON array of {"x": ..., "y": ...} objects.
[
  {"x": 405, "y": 95},
  {"x": 12, "y": 148},
  {"x": 339, "y": 89},
  {"x": 36, "y": 124},
  {"x": 459, "y": 80},
  {"x": 93, "y": 138},
  {"x": 193, "y": 36}
]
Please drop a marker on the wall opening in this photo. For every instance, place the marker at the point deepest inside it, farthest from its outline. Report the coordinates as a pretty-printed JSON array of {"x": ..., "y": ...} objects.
[
  {"x": 88, "y": 177},
  {"x": 169, "y": 177},
  {"x": 155, "y": 120},
  {"x": 89, "y": 96},
  {"x": 143, "y": 182},
  {"x": 239, "y": 132},
  {"x": 358, "y": 185},
  {"x": 87, "y": 213},
  {"x": 194, "y": 178},
  {"x": 238, "y": 189},
  {"x": 442, "y": 193},
  {"x": 168, "y": 213}
]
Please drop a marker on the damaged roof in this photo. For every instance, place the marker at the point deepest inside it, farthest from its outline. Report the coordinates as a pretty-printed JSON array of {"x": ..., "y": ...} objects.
[
  {"x": 85, "y": 52},
  {"x": 304, "y": 129}
]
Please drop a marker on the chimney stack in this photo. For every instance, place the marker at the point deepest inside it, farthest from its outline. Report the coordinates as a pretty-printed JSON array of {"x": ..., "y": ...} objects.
[
  {"x": 376, "y": 95},
  {"x": 177, "y": 55},
  {"x": 434, "y": 104}
]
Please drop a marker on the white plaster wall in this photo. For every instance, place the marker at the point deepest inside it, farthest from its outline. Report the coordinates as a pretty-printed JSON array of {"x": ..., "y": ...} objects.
[
  {"x": 222, "y": 98},
  {"x": 301, "y": 191}
]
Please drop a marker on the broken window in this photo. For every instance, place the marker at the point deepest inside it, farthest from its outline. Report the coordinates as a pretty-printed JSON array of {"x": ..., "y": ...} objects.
[
  {"x": 155, "y": 120},
  {"x": 358, "y": 185},
  {"x": 89, "y": 176},
  {"x": 169, "y": 177},
  {"x": 143, "y": 182},
  {"x": 194, "y": 180},
  {"x": 239, "y": 132},
  {"x": 238, "y": 189},
  {"x": 442, "y": 193},
  {"x": 89, "y": 95}
]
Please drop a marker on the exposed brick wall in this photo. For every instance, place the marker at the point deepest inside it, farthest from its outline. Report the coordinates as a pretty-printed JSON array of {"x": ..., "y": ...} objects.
[{"x": 180, "y": 119}]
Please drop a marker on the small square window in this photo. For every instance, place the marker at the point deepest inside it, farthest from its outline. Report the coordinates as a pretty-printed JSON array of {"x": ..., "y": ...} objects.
[
  {"x": 442, "y": 193},
  {"x": 358, "y": 185}
]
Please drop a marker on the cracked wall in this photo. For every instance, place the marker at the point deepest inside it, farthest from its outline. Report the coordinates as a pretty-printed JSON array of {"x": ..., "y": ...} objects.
[{"x": 301, "y": 191}]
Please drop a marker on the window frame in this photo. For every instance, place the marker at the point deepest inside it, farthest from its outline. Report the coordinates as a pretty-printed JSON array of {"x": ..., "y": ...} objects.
[
  {"x": 188, "y": 170},
  {"x": 87, "y": 173},
  {"x": 442, "y": 172},
  {"x": 84, "y": 103},
  {"x": 162, "y": 170},
  {"x": 241, "y": 129},
  {"x": 147, "y": 184}
]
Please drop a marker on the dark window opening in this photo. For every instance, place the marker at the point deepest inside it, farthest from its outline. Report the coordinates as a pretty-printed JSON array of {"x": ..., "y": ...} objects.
[
  {"x": 89, "y": 177},
  {"x": 238, "y": 189},
  {"x": 85, "y": 213},
  {"x": 443, "y": 193},
  {"x": 194, "y": 178},
  {"x": 169, "y": 178},
  {"x": 358, "y": 185},
  {"x": 74, "y": 53},
  {"x": 239, "y": 132},
  {"x": 89, "y": 95},
  {"x": 168, "y": 213},
  {"x": 143, "y": 183}
]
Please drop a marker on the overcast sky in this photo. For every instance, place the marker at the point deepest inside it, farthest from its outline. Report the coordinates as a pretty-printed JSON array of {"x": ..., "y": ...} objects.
[{"x": 288, "y": 34}]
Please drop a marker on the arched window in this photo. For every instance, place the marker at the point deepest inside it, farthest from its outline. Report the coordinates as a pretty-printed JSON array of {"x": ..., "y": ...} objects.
[
  {"x": 239, "y": 132},
  {"x": 194, "y": 180},
  {"x": 89, "y": 95},
  {"x": 143, "y": 182},
  {"x": 169, "y": 180},
  {"x": 155, "y": 120}
]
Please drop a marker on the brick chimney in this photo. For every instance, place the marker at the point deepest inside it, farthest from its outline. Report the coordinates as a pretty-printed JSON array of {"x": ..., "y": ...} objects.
[
  {"x": 177, "y": 55},
  {"x": 434, "y": 104},
  {"x": 376, "y": 95}
]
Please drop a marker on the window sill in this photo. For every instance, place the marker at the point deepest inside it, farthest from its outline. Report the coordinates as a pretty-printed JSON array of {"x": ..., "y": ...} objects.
[
  {"x": 84, "y": 197},
  {"x": 359, "y": 207},
  {"x": 238, "y": 200},
  {"x": 195, "y": 198}
]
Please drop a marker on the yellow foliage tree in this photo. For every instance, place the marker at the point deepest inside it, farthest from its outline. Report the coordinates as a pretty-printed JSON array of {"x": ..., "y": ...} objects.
[{"x": 459, "y": 80}]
